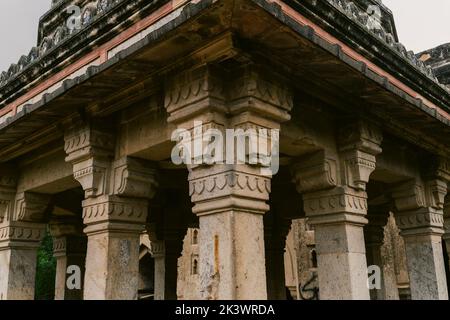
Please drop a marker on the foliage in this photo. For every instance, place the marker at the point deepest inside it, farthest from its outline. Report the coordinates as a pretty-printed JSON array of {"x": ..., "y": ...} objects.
[{"x": 45, "y": 270}]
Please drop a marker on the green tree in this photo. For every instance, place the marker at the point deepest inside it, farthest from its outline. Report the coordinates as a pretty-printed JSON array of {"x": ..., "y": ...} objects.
[{"x": 45, "y": 270}]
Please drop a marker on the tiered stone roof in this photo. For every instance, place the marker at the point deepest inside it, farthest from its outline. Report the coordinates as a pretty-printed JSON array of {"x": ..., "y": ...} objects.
[{"x": 439, "y": 59}]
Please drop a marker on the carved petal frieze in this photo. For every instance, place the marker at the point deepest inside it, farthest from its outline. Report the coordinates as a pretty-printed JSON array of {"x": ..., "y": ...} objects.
[
  {"x": 114, "y": 209},
  {"x": 336, "y": 201},
  {"x": 419, "y": 219},
  {"x": 22, "y": 232}
]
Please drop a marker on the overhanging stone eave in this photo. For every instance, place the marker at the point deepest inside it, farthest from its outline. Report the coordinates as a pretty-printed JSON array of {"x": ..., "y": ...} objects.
[
  {"x": 52, "y": 106},
  {"x": 50, "y": 101},
  {"x": 362, "y": 41}
]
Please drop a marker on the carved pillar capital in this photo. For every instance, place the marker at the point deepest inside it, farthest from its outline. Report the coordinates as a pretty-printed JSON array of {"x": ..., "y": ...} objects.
[
  {"x": 337, "y": 205},
  {"x": 21, "y": 234},
  {"x": 134, "y": 178},
  {"x": 31, "y": 206},
  {"x": 233, "y": 98},
  {"x": 223, "y": 188},
  {"x": 89, "y": 150},
  {"x": 359, "y": 143},
  {"x": 419, "y": 207},
  {"x": 314, "y": 172},
  {"x": 111, "y": 213}
]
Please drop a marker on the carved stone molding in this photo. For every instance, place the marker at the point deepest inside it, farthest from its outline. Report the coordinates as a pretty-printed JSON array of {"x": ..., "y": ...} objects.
[
  {"x": 359, "y": 143},
  {"x": 409, "y": 196},
  {"x": 413, "y": 194},
  {"x": 8, "y": 182},
  {"x": 193, "y": 91},
  {"x": 436, "y": 191},
  {"x": 424, "y": 220},
  {"x": 252, "y": 91},
  {"x": 89, "y": 151},
  {"x": 211, "y": 94},
  {"x": 317, "y": 171},
  {"x": 134, "y": 178},
  {"x": 84, "y": 142},
  {"x": 222, "y": 188},
  {"x": 337, "y": 205},
  {"x": 438, "y": 168},
  {"x": 21, "y": 234},
  {"x": 158, "y": 248},
  {"x": 31, "y": 206},
  {"x": 109, "y": 208}
]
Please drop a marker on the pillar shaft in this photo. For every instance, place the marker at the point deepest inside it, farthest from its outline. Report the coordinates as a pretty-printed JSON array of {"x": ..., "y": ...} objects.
[
  {"x": 335, "y": 203},
  {"x": 338, "y": 220},
  {"x": 420, "y": 217},
  {"x": 374, "y": 238},
  {"x": 18, "y": 250},
  {"x": 112, "y": 259},
  {"x": 166, "y": 254},
  {"x": 231, "y": 244},
  {"x": 69, "y": 251}
]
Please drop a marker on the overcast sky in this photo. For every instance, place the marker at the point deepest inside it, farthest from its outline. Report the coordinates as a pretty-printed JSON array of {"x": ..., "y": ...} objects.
[{"x": 421, "y": 24}]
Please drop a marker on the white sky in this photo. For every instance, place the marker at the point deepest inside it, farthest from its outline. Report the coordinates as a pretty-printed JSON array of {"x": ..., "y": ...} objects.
[{"x": 421, "y": 25}]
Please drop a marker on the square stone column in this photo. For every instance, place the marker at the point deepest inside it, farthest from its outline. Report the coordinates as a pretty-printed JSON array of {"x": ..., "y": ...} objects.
[
  {"x": 230, "y": 203},
  {"x": 229, "y": 189},
  {"x": 69, "y": 249},
  {"x": 19, "y": 242},
  {"x": 115, "y": 210},
  {"x": 374, "y": 238},
  {"x": 276, "y": 230},
  {"x": 338, "y": 218},
  {"x": 166, "y": 254},
  {"x": 335, "y": 202},
  {"x": 419, "y": 215},
  {"x": 113, "y": 229}
]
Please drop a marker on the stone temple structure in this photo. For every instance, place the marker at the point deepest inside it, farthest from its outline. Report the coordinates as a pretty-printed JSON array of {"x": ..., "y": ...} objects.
[{"x": 360, "y": 125}]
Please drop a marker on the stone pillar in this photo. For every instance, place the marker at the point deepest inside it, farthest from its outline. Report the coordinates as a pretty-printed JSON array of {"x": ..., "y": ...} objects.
[
  {"x": 19, "y": 242},
  {"x": 69, "y": 249},
  {"x": 446, "y": 236},
  {"x": 275, "y": 233},
  {"x": 336, "y": 206},
  {"x": 21, "y": 231},
  {"x": 114, "y": 212},
  {"x": 229, "y": 199},
  {"x": 419, "y": 215},
  {"x": 374, "y": 238},
  {"x": 166, "y": 254}
]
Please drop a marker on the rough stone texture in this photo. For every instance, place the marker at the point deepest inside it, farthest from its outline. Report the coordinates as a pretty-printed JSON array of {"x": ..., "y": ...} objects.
[
  {"x": 17, "y": 267},
  {"x": 111, "y": 102},
  {"x": 111, "y": 269},
  {"x": 188, "y": 273},
  {"x": 426, "y": 268}
]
